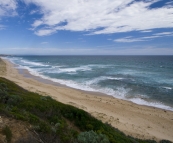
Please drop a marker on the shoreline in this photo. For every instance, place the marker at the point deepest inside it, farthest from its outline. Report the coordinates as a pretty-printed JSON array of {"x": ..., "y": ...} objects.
[
  {"x": 28, "y": 73},
  {"x": 139, "y": 121},
  {"x": 159, "y": 105}
]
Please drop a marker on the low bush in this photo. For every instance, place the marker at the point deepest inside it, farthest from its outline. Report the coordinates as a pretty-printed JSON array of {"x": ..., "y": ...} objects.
[
  {"x": 14, "y": 99},
  {"x": 92, "y": 137},
  {"x": 165, "y": 141}
]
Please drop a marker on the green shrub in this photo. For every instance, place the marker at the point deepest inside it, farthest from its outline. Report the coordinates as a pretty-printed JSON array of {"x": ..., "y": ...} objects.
[
  {"x": 7, "y": 132},
  {"x": 14, "y": 99},
  {"x": 37, "y": 128},
  {"x": 3, "y": 85},
  {"x": 165, "y": 141},
  {"x": 49, "y": 97},
  {"x": 4, "y": 96},
  {"x": 89, "y": 126},
  {"x": 92, "y": 137},
  {"x": 44, "y": 127},
  {"x": 33, "y": 119},
  {"x": 43, "y": 98},
  {"x": 46, "y": 98},
  {"x": 8, "y": 108},
  {"x": 1, "y": 91}
]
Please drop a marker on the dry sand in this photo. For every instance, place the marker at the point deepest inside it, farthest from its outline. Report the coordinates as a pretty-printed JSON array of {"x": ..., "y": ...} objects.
[{"x": 135, "y": 120}]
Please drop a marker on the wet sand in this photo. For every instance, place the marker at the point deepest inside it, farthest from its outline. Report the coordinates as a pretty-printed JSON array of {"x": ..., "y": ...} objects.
[{"x": 136, "y": 120}]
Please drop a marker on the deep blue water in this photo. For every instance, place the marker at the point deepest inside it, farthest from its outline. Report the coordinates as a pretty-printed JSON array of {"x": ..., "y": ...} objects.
[{"x": 146, "y": 80}]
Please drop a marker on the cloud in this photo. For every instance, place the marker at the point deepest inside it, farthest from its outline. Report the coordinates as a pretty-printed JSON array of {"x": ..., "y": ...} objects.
[
  {"x": 34, "y": 12},
  {"x": 8, "y": 7},
  {"x": 95, "y": 17},
  {"x": 100, "y": 17},
  {"x": 128, "y": 40},
  {"x": 169, "y": 3},
  {"x": 146, "y": 38},
  {"x": 44, "y": 32},
  {"x": 164, "y": 34},
  {"x": 146, "y": 31}
]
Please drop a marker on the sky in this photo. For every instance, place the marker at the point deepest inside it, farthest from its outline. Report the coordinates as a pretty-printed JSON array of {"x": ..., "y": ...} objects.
[{"x": 86, "y": 27}]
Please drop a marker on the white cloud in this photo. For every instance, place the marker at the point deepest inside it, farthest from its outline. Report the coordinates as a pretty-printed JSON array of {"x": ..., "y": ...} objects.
[
  {"x": 100, "y": 16},
  {"x": 146, "y": 31},
  {"x": 129, "y": 40},
  {"x": 8, "y": 7},
  {"x": 34, "y": 12},
  {"x": 146, "y": 38},
  {"x": 44, "y": 32},
  {"x": 164, "y": 33},
  {"x": 169, "y": 3}
]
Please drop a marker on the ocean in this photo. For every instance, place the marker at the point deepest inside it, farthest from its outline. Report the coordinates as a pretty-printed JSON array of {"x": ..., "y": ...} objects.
[{"x": 145, "y": 80}]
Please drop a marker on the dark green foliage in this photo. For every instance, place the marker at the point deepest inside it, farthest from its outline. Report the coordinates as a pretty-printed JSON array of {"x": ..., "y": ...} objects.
[
  {"x": 14, "y": 99},
  {"x": 3, "y": 93},
  {"x": 92, "y": 137},
  {"x": 45, "y": 98},
  {"x": 148, "y": 141},
  {"x": 7, "y": 132},
  {"x": 3, "y": 86},
  {"x": 49, "y": 117},
  {"x": 165, "y": 141}
]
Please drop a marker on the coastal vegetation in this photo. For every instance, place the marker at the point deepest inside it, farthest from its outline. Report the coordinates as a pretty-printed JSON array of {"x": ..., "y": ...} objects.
[{"x": 52, "y": 122}]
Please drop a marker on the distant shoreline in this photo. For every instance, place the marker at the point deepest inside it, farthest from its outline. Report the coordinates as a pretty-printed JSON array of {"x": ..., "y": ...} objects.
[{"x": 136, "y": 120}]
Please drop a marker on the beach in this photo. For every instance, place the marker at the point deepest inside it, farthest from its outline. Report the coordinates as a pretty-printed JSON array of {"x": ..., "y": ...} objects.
[{"x": 136, "y": 120}]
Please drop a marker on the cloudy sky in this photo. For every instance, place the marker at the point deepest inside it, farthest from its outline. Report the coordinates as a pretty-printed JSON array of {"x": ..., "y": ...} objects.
[{"x": 86, "y": 27}]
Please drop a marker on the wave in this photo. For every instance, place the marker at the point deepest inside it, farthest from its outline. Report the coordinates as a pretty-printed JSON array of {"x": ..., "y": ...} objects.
[
  {"x": 65, "y": 69},
  {"x": 100, "y": 65},
  {"x": 34, "y": 63},
  {"x": 165, "y": 87},
  {"x": 75, "y": 69},
  {"x": 13, "y": 59},
  {"x": 21, "y": 61},
  {"x": 62, "y": 69},
  {"x": 152, "y": 104},
  {"x": 69, "y": 83},
  {"x": 83, "y": 68},
  {"x": 98, "y": 79}
]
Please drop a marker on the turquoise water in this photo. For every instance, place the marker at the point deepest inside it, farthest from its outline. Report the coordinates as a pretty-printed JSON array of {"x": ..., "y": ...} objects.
[{"x": 146, "y": 80}]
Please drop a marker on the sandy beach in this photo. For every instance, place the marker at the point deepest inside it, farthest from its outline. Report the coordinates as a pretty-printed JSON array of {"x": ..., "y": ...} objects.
[{"x": 136, "y": 120}]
